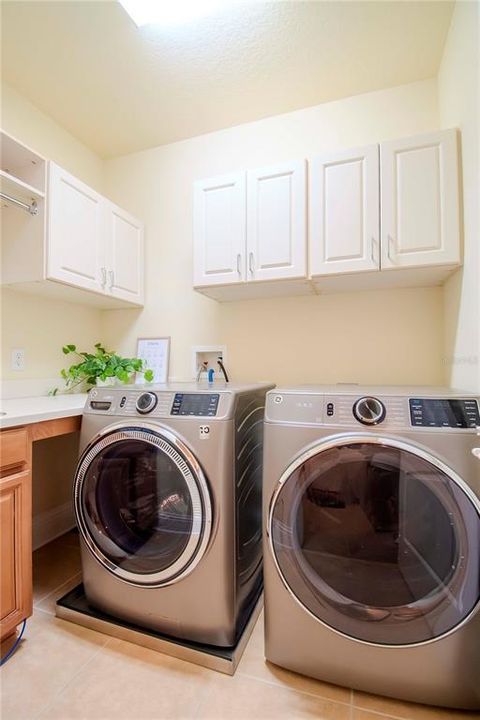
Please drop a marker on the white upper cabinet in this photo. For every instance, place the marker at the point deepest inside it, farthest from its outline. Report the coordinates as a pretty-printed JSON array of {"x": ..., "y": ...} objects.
[
  {"x": 219, "y": 230},
  {"x": 63, "y": 239},
  {"x": 75, "y": 231},
  {"x": 419, "y": 201},
  {"x": 276, "y": 222},
  {"x": 393, "y": 206},
  {"x": 123, "y": 272},
  {"x": 344, "y": 210}
]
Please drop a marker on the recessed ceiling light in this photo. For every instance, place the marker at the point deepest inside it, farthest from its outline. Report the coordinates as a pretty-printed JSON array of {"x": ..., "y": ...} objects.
[{"x": 168, "y": 12}]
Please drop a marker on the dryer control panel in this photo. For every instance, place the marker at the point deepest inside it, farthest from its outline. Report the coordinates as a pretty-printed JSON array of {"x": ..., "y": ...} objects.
[{"x": 444, "y": 412}]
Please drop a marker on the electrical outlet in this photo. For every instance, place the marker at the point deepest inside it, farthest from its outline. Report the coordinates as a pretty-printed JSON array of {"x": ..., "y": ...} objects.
[{"x": 18, "y": 359}]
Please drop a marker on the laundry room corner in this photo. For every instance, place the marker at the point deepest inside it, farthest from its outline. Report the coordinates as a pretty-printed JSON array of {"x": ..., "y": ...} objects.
[{"x": 240, "y": 360}]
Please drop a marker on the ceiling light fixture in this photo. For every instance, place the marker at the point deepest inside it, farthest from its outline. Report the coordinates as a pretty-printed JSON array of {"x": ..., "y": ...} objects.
[{"x": 168, "y": 12}]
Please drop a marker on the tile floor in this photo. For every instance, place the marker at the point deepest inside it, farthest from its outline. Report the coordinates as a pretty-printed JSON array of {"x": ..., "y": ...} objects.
[{"x": 62, "y": 671}]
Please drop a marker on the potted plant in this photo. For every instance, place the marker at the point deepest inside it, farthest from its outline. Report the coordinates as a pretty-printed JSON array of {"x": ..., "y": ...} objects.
[{"x": 101, "y": 367}]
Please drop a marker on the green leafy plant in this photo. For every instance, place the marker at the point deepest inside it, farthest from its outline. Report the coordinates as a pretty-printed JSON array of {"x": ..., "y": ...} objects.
[{"x": 102, "y": 364}]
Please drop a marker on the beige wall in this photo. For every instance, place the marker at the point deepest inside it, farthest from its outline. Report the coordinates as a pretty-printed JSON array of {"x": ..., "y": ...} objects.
[
  {"x": 459, "y": 97},
  {"x": 41, "y": 326},
  {"x": 387, "y": 336},
  {"x": 29, "y": 125}
]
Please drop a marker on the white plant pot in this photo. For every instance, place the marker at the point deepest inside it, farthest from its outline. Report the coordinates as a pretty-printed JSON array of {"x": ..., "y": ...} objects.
[{"x": 109, "y": 382}]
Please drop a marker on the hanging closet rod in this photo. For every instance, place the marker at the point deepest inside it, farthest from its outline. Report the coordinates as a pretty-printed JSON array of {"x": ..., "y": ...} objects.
[{"x": 31, "y": 208}]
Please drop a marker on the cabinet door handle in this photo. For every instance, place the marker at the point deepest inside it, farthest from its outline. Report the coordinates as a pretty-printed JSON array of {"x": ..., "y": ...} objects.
[
  {"x": 392, "y": 250},
  {"x": 239, "y": 260},
  {"x": 103, "y": 272},
  {"x": 111, "y": 276},
  {"x": 251, "y": 263},
  {"x": 374, "y": 253}
]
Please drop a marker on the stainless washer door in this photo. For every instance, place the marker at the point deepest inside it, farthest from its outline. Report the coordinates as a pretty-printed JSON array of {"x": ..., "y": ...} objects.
[
  {"x": 142, "y": 504},
  {"x": 378, "y": 540}
]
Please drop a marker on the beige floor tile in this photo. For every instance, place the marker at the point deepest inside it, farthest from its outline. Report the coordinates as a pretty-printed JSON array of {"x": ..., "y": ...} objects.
[
  {"x": 53, "y": 565},
  {"x": 128, "y": 682},
  {"x": 244, "y": 698},
  {"x": 50, "y": 654},
  {"x": 406, "y": 710},
  {"x": 48, "y": 604},
  {"x": 253, "y": 664}
]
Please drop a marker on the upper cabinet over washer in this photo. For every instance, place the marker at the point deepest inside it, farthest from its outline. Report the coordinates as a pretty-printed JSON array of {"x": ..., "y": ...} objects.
[
  {"x": 419, "y": 201},
  {"x": 219, "y": 230},
  {"x": 250, "y": 234},
  {"x": 67, "y": 241},
  {"x": 382, "y": 215}
]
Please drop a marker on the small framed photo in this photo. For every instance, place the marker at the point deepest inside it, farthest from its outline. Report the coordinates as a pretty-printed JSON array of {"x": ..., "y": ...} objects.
[{"x": 156, "y": 353}]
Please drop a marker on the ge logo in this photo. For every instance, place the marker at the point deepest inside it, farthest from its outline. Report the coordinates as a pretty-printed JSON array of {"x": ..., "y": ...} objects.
[
  {"x": 278, "y": 399},
  {"x": 204, "y": 432}
]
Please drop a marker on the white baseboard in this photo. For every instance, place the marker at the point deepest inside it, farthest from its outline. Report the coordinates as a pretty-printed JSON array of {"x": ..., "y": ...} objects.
[{"x": 51, "y": 524}]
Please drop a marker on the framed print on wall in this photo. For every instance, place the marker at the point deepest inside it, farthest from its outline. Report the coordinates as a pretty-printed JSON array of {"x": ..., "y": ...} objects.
[{"x": 156, "y": 353}]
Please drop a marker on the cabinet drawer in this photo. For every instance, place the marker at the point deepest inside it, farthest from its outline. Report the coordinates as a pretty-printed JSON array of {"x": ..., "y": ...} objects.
[{"x": 13, "y": 447}]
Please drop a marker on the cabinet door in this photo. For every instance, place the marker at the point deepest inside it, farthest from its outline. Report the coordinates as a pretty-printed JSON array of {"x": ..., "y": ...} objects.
[
  {"x": 219, "y": 230},
  {"x": 16, "y": 544},
  {"x": 75, "y": 233},
  {"x": 344, "y": 212},
  {"x": 276, "y": 222},
  {"x": 125, "y": 256},
  {"x": 419, "y": 190}
]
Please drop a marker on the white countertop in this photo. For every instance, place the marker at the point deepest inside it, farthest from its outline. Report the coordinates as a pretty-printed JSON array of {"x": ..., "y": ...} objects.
[{"x": 23, "y": 411}]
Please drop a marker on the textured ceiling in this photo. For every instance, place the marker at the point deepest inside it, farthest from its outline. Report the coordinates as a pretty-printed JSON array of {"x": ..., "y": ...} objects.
[{"x": 119, "y": 88}]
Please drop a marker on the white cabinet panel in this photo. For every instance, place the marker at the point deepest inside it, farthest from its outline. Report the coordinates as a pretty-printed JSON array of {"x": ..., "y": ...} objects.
[
  {"x": 75, "y": 246},
  {"x": 344, "y": 211},
  {"x": 219, "y": 230},
  {"x": 124, "y": 264},
  {"x": 276, "y": 222},
  {"x": 419, "y": 190}
]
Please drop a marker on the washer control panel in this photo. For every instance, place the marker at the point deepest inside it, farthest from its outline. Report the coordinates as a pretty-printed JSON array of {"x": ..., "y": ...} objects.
[
  {"x": 444, "y": 412},
  {"x": 196, "y": 404}
]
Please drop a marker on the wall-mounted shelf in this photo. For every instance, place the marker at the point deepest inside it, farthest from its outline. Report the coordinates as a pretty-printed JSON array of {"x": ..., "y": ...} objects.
[
  {"x": 19, "y": 188},
  {"x": 17, "y": 193}
]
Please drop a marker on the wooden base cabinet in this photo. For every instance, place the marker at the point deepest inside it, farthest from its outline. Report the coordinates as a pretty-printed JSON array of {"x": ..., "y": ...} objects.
[{"x": 15, "y": 530}]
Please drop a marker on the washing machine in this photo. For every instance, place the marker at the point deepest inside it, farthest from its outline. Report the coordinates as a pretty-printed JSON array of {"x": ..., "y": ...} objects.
[
  {"x": 372, "y": 539},
  {"x": 167, "y": 498}
]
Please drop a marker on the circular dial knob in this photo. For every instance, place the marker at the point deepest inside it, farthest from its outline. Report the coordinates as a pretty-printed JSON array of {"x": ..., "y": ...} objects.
[
  {"x": 369, "y": 411},
  {"x": 146, "y": 402}
]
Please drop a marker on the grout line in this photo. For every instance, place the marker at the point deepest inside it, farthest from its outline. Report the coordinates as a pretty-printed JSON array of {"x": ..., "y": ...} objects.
[
  {"x": 296, "y": 690},
  {"x": 59, "y": 692},
  {"x": 385, "y": 716},
  {"x": 51, "y": 592}
]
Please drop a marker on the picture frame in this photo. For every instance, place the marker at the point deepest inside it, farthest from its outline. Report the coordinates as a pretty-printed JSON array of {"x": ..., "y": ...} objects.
[{"x": 155, "y": 351}]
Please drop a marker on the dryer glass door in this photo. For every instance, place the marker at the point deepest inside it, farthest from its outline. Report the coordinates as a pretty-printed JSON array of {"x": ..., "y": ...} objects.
[
  {"x": 378, "y": 540},
  {"x": 142, "y": 505}
]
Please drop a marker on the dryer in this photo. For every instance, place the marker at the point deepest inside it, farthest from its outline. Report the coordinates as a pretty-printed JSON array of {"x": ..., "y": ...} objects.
[
  {"x": 167, "y": 497},
  {"x": 372, "y": 539}
]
